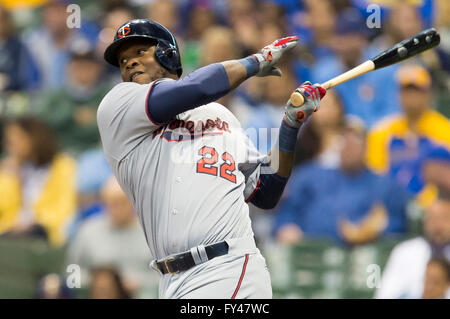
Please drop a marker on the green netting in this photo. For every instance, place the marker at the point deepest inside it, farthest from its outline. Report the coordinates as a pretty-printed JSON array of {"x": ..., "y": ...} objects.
[
  {"x": 321, "y": 269},
  {"x": 23, "y": 263}
]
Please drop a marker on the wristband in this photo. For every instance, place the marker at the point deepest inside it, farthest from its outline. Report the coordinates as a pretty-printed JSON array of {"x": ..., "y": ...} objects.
[
  {"x": 287, "y": 139},
  {"x": 251, "y": 64}
]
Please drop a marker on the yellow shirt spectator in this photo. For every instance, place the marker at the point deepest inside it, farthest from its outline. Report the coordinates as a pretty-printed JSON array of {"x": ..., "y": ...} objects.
[
  {"x": 37, "y": 183},
  {"x": 401, "y": 145}
]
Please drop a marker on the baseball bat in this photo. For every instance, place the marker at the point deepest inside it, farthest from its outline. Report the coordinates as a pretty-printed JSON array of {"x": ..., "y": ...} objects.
[{"x": 403, "y": 50}]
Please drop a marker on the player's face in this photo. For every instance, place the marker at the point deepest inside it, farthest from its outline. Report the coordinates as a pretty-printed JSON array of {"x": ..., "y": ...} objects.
[{"x": 138, "y": 64}]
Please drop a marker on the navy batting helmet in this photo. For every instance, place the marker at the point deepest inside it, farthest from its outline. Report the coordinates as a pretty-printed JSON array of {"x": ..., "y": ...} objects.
[{"x": 166, "y": 52}]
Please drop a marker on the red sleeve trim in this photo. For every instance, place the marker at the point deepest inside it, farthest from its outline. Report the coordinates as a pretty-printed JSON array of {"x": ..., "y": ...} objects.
[
  {"x": 147, "y": 106},
  {"x": 242, "y": 277},
  {"x": 254, "y": 192}
]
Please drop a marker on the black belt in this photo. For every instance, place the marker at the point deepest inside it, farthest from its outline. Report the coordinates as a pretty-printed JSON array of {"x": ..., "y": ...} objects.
[{"x": 185, "y": 261}]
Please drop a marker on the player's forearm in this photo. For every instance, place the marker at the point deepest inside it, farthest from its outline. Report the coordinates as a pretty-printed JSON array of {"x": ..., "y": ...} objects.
[
  {"x": 281, "y": 156},
  {"x": 240, "y": 70},
  {"x": 282, "y": 163}
]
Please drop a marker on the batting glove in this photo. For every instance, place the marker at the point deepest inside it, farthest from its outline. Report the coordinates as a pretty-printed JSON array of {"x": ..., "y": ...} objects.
[
  {"x": 271, "y": 54},
  {"x": 295, "y": 116}
]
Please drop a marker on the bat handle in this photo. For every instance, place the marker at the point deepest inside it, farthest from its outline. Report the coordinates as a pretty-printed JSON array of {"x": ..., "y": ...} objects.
[{"x": 297, "y": 99}]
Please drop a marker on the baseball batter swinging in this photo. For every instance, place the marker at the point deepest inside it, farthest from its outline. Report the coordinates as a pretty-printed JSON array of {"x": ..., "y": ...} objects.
[{"x": 194, "y": 213}]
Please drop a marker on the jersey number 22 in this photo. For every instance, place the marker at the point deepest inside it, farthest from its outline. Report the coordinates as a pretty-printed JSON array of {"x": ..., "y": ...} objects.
[{"x": 206, "y": 165}]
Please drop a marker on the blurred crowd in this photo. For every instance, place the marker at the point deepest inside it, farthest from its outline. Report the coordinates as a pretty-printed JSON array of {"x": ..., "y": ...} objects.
[{"x": 376, "y": 153}]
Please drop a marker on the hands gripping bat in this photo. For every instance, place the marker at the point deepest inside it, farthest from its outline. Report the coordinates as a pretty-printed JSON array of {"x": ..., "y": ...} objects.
[{"x": 401, "y": 51}]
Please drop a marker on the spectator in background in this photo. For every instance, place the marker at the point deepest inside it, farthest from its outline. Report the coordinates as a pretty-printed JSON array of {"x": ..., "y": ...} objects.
[
  {"x": 269, "y": 113},
  {"x": 403, "y": 21},
  {"x": 239, "y": 10},
  {"x": 242, "y": 17},
  {"x": 437, "y": 279},
  {"x": 114, "y": 238},
  {"x": 318, "y": 23},
  {"x": 37, "y": 182},
  {"x": 218, "y": 44},
  {"x": 320, "y": 139},
  {"x": 71, "y": 111},
  {"x": 164, "y": 12},
  {"x": 269, "y": 32},
  {"x": 405, "y": 273},
  {"x": 348, "y": 204},
  {"x": 51, "y": 44},
  {"x": 53, "y": 286},
  {"x": 106, "y": 283},
  {"x": 274, "y": 91},
  {"x": 404, "y": 144},
  {"x": 271, "y": 12},
  {"x": 113, "y": 18},
  {"x": 439, "y": 61},
  {"x": 92, "y": 173},
  {"x": 115, "y": 15},
  {"x": 442, "y": 23},
  {"x": 201, "y": 19},
  {"x": 17, "y": 69},
  {"x": 371, "y": 96}
]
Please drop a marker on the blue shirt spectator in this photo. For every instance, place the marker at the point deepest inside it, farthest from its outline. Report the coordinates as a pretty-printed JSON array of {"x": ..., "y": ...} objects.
[
  {"x": 51, "y": 44},
  {"x": 405, "y": 145},
  {"x": 263, "y": 121},
  {"x": 347, "y": 204},
  {"x": 317, "y": 198},
  {"x": 371, "y": 96},
  {"x": 17, "y": 69}
]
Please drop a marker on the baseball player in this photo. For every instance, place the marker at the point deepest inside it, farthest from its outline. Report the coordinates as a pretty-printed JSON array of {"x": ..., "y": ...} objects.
[{"x": 194, "y": 212}]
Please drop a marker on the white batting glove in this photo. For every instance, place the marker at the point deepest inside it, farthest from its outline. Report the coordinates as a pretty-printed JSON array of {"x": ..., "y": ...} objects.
[
  {"x": 271, "y": 54},
  {"x": 296, "y": 116}
]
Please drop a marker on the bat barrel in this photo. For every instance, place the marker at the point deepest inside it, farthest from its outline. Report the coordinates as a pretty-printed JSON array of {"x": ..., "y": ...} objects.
[{"x": 407, "y": 48}]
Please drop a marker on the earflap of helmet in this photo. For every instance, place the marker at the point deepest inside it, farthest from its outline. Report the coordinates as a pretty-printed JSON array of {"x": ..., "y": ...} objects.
[{"x": 168, "y": 56}]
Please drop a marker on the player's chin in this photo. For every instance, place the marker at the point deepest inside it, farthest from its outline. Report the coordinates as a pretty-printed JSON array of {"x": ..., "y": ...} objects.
[{"x": 142, "y": 79}]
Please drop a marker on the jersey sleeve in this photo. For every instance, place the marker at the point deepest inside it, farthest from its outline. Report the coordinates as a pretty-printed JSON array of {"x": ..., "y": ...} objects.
[
  {"x": 123, "y": 119},
  {"x": 251, "y": 166}
]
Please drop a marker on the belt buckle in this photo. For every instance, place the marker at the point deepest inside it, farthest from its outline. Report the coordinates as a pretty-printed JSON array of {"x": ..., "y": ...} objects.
[{"x": 167, "y": 266}]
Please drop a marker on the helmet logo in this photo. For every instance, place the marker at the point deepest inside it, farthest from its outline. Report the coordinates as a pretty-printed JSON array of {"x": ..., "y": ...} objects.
[{"x": 123, "y": 31}]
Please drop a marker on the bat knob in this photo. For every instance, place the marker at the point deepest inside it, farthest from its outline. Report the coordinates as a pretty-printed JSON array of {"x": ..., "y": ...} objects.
[{"x": 297, "y": 99}]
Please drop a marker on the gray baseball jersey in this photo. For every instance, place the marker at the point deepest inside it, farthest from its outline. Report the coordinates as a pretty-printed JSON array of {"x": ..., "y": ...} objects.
[{"x": 188, "y": 179}]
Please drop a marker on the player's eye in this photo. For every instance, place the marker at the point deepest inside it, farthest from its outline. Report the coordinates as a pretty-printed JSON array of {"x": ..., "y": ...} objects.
[
  {"x": 123, "y": 61},
  {"x": 141, "y": 51}
]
